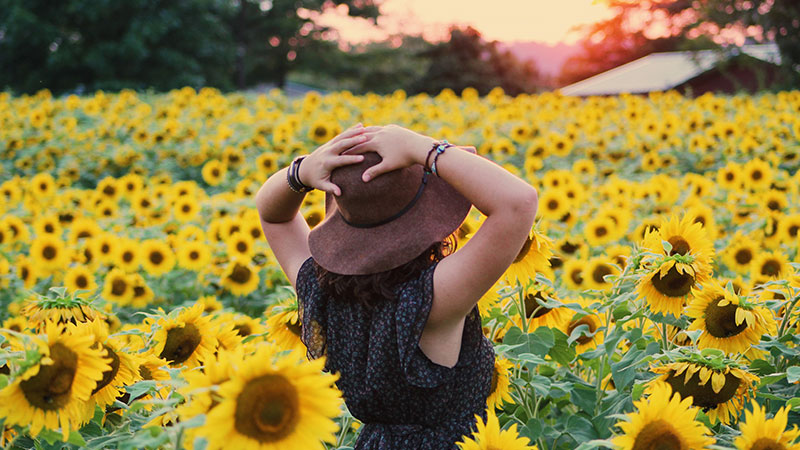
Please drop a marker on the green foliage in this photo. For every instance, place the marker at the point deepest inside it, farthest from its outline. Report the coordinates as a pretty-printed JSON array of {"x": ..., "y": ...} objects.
[
  {"x": 467, "y": 60},
  {"x": 81, "y": 45},
  {"x": 85, "y": 45}
]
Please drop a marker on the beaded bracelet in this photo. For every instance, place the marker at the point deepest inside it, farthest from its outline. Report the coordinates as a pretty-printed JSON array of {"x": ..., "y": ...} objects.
[
  {"x": 439, "y": 148},
  {"x": 293, "y": 177}
]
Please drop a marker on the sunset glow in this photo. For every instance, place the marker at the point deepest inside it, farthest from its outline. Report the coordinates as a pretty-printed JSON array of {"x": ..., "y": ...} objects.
[{"x": 502, "y": 20}]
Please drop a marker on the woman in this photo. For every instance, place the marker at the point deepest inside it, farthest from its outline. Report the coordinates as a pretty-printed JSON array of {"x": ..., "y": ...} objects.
[{"x": 379, "y": 292}]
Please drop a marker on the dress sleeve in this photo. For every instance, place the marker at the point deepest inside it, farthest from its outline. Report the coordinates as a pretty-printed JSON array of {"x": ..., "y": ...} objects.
[
  {"x": 413, "y": 307},
  {"x": 311, "y": 311}
]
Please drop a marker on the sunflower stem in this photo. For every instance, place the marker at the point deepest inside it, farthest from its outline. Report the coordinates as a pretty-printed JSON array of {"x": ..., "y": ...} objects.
[
  {"x": 523, "y": 313},
  {"x": 786, "y": 317}
]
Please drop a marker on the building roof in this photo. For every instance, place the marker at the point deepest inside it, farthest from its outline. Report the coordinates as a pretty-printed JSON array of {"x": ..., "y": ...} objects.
[{"x": 663, "y": 71}]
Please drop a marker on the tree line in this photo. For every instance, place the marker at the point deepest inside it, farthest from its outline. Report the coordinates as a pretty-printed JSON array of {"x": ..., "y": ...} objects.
[{"x": 83, "y": 45}]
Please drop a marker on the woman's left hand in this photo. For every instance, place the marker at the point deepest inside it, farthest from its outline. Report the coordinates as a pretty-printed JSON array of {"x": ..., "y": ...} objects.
[{"x": 316, "y": 168}]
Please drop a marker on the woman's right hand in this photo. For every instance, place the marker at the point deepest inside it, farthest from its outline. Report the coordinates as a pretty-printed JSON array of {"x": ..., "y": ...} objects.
[
  {"x": 316, "y": 168},
  {"x": 398, "y": 147}
]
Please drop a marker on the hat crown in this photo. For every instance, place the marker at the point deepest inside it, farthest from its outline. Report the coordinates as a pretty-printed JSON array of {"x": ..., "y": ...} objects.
[{"x": 380, "y": 198}]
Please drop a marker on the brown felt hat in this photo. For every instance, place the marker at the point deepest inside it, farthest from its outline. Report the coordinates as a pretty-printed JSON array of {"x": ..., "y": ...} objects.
[{"x": 377, "y": 226}]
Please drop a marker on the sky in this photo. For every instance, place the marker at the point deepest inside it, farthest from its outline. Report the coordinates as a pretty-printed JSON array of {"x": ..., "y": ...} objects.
[{"x": 546, "y": 21}]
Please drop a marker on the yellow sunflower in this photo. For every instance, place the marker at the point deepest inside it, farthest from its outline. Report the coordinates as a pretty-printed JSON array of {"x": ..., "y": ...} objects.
[
  {"x": 240, "y": 277},
  {"x": 573, "y": 274},
  {"x": 275, "y": 402},
  {"x": 595, "y": 271},
  {"x": 214, "y": 172},
  {"x": 49, "y": 253},
  {"x": 184, "y": 338},
  {"x": 489, "y": 436},
  {"x": 157, "y": 257},
  {"x": 51, "y": 393},
  {"x": 760, "y": 433},
  {"x": 719, "y": 391},
  {"x": 284, "y": 325},
  {"x": 686, "y": 237},
  {"x": 117, "y": 287},
  {"x": 727, "y": 321},
  {"x": 663, "y": 420},
  {"x": 127, "y": 254},
  {"x": 80, "y": 278},
  {"x": 534, "y": 256},
  {"x": 40, "y": 310},
  {"x": 501, "y": 381},
  {"x": 241, "y": 245},
  {"x": 593, "y": 335},
  {"x": 536, "y": 314},
  {"x": 769, "y": 266},
  {"x": 740, "y": 253},
  {"x": 193, "y": 255},
  {"x": 123, "y": 370}
]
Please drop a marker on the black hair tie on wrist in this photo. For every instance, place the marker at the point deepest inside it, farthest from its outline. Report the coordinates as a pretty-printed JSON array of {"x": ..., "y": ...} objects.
[{"x": 293, "y": 177}]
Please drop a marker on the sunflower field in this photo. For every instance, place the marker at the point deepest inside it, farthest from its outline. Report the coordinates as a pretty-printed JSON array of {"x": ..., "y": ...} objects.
[{"x": 654, "y": 305}]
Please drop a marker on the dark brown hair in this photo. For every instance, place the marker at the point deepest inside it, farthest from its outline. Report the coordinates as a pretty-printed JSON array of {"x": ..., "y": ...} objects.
[{"x": 373, "y": 288}]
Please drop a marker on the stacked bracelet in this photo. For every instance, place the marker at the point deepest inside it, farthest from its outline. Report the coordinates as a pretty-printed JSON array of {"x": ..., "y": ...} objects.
[
  {"x": 439, "y": 148},
  {"x": 293, "y": 177}
]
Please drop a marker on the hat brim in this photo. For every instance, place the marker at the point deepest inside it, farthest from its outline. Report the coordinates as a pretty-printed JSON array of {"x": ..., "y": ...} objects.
[{"x": 347, "y": 250}]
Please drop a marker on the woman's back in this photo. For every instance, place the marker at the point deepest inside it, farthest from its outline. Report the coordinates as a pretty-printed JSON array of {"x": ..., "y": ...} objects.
[{"x": 404, "y": 399}]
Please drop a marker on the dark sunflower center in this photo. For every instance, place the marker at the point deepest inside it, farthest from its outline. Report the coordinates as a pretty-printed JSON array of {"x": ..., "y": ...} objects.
[
  {"x": 118, "y": 286},
  {"x": 577, "y": 276},
  {"x": 320, "y": 132},
  {"x": 721, "y": 320},
  {"x": 194, "y": 254},
  {"x": 105, "y": 248},
  {"x": 556, "y": 262},
  {"x": 756, "y": 175},
  {"x": 127, "y": 257},
  {"x": 49, "y": 252},
  {"x": 771, "y": 268},
  {"x": 109, "y": 374},
  {"x": 657, "y": 435},
  {"x": 533, "y": 307},
  {"x": 679, "y": 245},
  {"x": 569, "y": 248},
  {"x": 313, "y": 219},
  {"x": 81, "y": 281},
  {"x": 243, "y": 329},
  {"x": 241, "y": 247},
  {"x": 267, "y": 409},
  {"x": 156, "y": 257},
  {"x": 186, "y": 208},
  {"x": 494, "y": 380},
  {"x": 524, "y": 250},
  {"x": 215, "y": 172},
  {"x": 552, "y": 205},
  {"x": 673, "y": 284},
  {"x": 766, "y": 443},
  {"x": 49, "y": 228},
  {"x": 295, "y": 328},
  {"x": 599, "y": 272},
  {"x": 729, "y": 176},
  {"x": 743, "y": 256},
  {"x": 793, "y": 230},
  {"x": 50, "y": 388},
  {"x": 704, "y": 396},
  {"x": 181, "y": 343},
  {"x": 586, "y": 320},
  {"x": 240, "y": 274},
  {"x": 600, "y": 231},
  {"x": 145, "y": 373}
]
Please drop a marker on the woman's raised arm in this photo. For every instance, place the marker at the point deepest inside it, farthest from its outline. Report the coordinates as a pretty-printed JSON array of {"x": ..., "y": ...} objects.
[{"x": 508, "y": 202}]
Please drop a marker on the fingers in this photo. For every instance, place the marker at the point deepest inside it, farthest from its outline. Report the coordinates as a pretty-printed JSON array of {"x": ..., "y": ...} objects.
[
  {"x": 358, "y": 149},
  {"x": 345, "y": 160},
  {"x": 352, "y": 131},
  {"x": 346, "y": 143},
  {"x": 327, "y": 186},
  {"x": 374, "y": 171}
]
